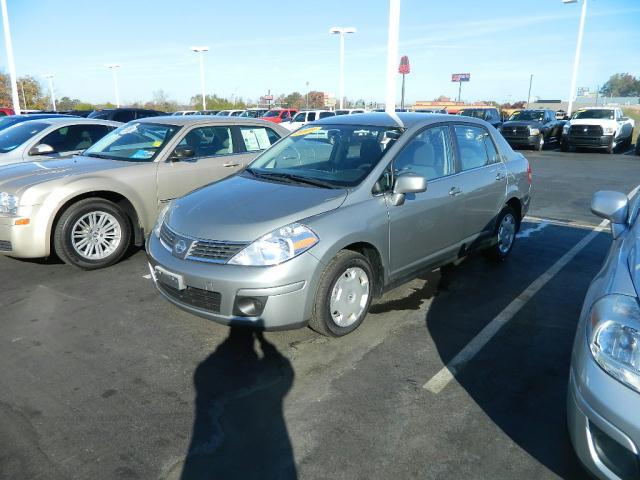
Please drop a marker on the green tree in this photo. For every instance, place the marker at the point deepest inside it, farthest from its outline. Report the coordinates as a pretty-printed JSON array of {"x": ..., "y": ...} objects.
[
  {"x": 161, "y": 101},
  {"x": 35, "y": 98},
  {"x": 294, "y": 100},
  {"x": 621, "y": 85},
  {"x": 316, "y": 99}
]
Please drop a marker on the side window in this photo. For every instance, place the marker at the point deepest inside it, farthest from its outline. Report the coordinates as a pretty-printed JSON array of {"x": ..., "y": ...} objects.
[
  {"x": 258, "y": 138},
  {"x": 299, "y": 117},
  {"x": 75, "y": 137},
  {"x": 311, "y": 116},
  {"x": 327, "y": 114},
  {"x": 428, "y": 154},
  {"x": 124, "y": 116},
  {"x": 476, "y": 147},
  {"x": 209, "y": 141}
]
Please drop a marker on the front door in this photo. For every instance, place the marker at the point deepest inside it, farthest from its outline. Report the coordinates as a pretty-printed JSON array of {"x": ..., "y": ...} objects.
[
  {"x": 482, "y": 181},
  {"x": 425, "y": 228}
]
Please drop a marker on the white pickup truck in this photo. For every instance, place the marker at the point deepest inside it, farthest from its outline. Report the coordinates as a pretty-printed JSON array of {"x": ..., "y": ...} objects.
[{"x": 597, "y": 127}]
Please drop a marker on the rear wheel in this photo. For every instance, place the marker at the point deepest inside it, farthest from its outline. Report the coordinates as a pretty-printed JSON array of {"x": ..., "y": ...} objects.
[
  {"x": 92, "y": 233},
  {"x": 344, "y": 295},
  {"x": 504, "y": 234}
]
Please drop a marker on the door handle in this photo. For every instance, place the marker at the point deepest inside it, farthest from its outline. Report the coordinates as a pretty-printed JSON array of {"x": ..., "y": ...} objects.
[
  {"x": 230, "y": 164},
  {"x": 455, "y": 191},
  {"x": 500, "y": 176}
]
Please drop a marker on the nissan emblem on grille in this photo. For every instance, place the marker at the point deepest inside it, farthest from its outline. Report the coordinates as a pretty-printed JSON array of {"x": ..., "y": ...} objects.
[
  {"x": 586, "y": 129},
  {"x": 180, "y": 248}
]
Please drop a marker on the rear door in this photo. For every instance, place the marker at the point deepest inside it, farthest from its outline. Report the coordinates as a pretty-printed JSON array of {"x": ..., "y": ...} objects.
[
  {"x": 426, "y": 228},
  {"x": 482, "y": 181}
]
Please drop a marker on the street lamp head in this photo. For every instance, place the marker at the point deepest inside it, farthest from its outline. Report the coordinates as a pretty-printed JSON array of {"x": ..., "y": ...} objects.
[
  {"x": 342, "y": 30},
  {"x": 569, "y": 1},
  {"x": 48, "y": 75},
  {"x": 199, "y": 49},
  {"x": 113, "y": 65}
]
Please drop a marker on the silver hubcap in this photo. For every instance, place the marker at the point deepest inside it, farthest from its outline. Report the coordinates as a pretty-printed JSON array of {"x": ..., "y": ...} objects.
[
  {"x": 96, "y": 235},
  {"x": 506, "y": 233},
  {"x": 541, "y": 142},
  {"x": 349, "y": 297}
]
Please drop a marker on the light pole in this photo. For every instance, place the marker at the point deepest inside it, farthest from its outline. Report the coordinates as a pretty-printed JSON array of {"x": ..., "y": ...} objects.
[
  {"x": 10, "y": 63},
  {"x": 24, "y": 98},
  {"x": 342, "y": 31},
  {"x": 576, "y": 61},
  {"x": 392, "y": 55},
  {"x": 200, "y": 51},
  {"x": 49, "y": 77},
  {"x": 306, "y": 101},
  {"x": 114, "y": 69},
  {"x": 529, "y": 95}
]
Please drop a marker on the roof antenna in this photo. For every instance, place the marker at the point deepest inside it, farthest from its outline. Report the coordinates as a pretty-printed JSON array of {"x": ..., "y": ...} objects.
[{"x": 392, "y": 57}]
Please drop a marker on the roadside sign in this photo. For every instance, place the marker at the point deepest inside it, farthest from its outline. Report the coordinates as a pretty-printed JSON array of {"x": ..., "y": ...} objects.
[
  {"x": 268, "y": 97},
  {"x": 404, "y": 67},
  {"x": 460, "y": 77}
]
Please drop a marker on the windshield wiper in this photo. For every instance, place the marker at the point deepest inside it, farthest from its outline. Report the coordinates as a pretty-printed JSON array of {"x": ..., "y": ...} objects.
[
  {"x": 291, "y": 178},
  {"x": 98, "y": 155}
]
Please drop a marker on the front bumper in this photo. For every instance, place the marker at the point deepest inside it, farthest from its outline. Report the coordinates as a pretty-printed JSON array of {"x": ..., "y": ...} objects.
[
  {"x": 588, "y": 141},
  {"x": 22, "y": 241},
  {"x": 517, "y": 141},
  {"x": 602, "y": 419},
  {"x": 287, "y": 291}
]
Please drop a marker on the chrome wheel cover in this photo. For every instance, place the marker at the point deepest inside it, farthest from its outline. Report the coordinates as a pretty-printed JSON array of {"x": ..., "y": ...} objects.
[
  {"x": 349, "y": 297},
  {"x": 96, "y": 235},
  {"x": 506, "y": 233}
]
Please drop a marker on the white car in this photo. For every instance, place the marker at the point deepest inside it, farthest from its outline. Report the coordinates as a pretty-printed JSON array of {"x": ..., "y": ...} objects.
[
  {"x": 185, "y": 112},
  {"x": 598, "y": 127},
  {"x": 350, "y": 111},
  {"x": 306, "y": 116},
  {"x": 229, "y": 113},
  {"x": 51, "y": 138}
]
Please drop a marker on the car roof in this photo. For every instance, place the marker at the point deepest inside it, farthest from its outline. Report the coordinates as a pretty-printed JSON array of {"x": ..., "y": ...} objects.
[
  {"x": 181, "y": 120},
  {"x": 70, "y": 120},
  {"x": 382, "y": 119}
]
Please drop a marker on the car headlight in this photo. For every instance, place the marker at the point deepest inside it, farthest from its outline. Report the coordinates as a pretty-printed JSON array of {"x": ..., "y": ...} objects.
[
  {"x": 534, "y": 131},
  {"x": 8, "y": 203},
  {"x": 565, "y": 129},
  {"x": 277, "y": 247},
  {"x": 614, "y": 337},
  {"x": 609, "y": 130},
  {"x": 163, "y": 213}
]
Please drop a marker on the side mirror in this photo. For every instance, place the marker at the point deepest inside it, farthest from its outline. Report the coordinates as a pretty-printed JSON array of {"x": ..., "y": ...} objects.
[
  {"x": 41, "y": 149},
  {"x": 407, "y": 183},
  {"x": 624, "y": 119},
  {"x": 182, "y": 153},
  {"x": 612, "y": 206}
]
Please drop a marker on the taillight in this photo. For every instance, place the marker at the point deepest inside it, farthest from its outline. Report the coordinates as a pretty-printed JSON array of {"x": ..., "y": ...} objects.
[{"x": 529, "y": 174}]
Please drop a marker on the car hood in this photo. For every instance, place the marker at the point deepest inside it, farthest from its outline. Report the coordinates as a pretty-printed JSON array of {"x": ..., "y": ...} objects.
[
  {"x": 17, "y": 177},
  {"x": 594, "y": 121},
  {"x": 242, "y": 209},
  {"x": 521, "y": 123}
]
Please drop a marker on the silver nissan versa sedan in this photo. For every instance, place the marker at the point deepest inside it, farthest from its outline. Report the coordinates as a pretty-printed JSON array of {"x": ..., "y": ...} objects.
[
  {"x": 335, "y": 213},
  {"x": 603, "y": 400}
]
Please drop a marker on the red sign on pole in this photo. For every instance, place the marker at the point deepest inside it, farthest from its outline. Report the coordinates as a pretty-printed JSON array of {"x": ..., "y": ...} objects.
[
  {"x": 404, "y": 67},
  {"x": 460, "y": 77}
]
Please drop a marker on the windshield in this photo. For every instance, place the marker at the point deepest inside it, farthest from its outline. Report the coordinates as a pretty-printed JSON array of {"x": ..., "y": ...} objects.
[
  {"x": 535, "y": 115},
  {"x": 476, "y": 113},
  {"x": 101, "y": 114},
  {"x": 134, "y": 142},
  {"x": 14, "y": 136},
  {"x": 598, "y": 113},
  {"x": 329, "y": 155},
  {"x": 8, "y": 121},
  {"x": 272, "y": 113}
]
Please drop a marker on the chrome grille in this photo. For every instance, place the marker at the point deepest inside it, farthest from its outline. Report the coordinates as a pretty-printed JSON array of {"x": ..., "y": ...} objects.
[
  {"x": 5, "y": 246},
  {"x": 214, "y": 251},
  {"x": 586, "y": 130},
  {"x": 167, "y": 236},
  {"x": 519, "y": 131}
]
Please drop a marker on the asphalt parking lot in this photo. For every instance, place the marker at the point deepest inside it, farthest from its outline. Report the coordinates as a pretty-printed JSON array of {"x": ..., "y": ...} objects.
[{"x": 102, "y": 379}]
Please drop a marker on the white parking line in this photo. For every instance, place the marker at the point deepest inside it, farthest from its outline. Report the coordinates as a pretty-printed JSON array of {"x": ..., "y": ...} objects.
[
  {"x": 440, "y": 380},
  {"x": 147, "y": 276},
  {"x": 527, "y": 232}
]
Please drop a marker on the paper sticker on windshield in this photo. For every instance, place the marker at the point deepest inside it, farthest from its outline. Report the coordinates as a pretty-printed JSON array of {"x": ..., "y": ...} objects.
[
  {"x": 142, "y": 154},
  {"x": 157, "y": 143},
  {"x": 129, "y": 129},
  {"x": 305, "y": 131}
]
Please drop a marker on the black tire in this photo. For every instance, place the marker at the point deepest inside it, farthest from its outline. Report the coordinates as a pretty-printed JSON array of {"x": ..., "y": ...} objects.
[
  {"x": 611, "y": 148},
  {"x": 638, "y": 145},
  {"x": 540, "y": 145},
  {"x": 62, "y": 235},
  {"x": 322, "y": 320},
  {"x": 497, "y": 250},
  {"x": 564, "y": 146}
]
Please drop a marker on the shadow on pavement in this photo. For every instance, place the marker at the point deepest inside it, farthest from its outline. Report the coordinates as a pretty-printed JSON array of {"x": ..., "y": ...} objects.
[{"x": 239, "y": 429}]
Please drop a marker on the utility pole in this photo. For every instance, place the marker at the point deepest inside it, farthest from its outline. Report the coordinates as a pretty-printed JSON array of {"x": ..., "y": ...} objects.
[
  {"x": 10, "y": 62},
  {"x": 529, "y": 96},
  {"x": 52, "y": 95},
  {"x": 392, "y": 55},
  {"x": 576, "y": 61}
]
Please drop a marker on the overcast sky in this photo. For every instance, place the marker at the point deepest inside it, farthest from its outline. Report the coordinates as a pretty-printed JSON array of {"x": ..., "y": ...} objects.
[{"x": 280, "y": 45}]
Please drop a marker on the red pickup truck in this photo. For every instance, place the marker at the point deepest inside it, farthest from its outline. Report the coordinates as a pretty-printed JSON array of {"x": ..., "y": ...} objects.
[{"x": 277, "y": 115}]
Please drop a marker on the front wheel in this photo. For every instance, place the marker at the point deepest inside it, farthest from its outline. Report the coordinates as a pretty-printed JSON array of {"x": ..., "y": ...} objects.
[
  {"x": 540, "y": 143},
  {"x": 504, "y": 234},
  {"x": 612, "y": 146},
  {"x": 564, "y": 146},
  {"x": 91, "y": 234},
  {"x": 344, "y": 295}
]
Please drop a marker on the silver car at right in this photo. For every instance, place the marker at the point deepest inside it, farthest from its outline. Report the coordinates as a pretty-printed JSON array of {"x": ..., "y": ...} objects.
[{"x": 603, "y": 399}]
